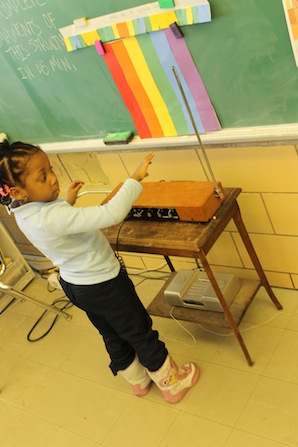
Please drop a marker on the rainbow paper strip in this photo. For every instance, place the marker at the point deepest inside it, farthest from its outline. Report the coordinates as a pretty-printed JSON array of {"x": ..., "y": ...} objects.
[
  {"x": 142, "y": 71},
  {"x": 291, "y": 14},
  {"x": 182, "y": 16}
]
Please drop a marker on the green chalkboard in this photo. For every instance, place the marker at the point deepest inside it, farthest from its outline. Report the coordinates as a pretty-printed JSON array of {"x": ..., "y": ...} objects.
[{"x": 244, "y": 57}]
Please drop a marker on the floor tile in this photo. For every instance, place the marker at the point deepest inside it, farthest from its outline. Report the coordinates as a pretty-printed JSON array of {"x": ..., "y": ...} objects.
[
  {"x": 65, "y": 438},
  {"x": 98, "y": 411},
  {"x": 87, "y": 359},
  {"x": 141, "y": 424},
  {"x": 263, "y": 311},
  {"x": 293, "y": 323},
  {"x": 9, "y": 363},
  {"x": 284, "y": 363},
  {"x": 9, "y": 325},
  {"x": 220, "y": 395},
  {"x": 18, "y": 428},
  {"x": 271, "y": 412},
  {"x": 18, "y": 342},
  {"x": 26, "y": 383},
  {"x": 51, "y": 353},
  {"x": 261, "y": 342},
  {"x": 189, "y": 430},
  {"x": 240, "y": 438},
  {"x": 63, "y": 393}
]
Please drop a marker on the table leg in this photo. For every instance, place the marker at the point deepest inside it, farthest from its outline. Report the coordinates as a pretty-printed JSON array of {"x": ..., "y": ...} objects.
[
  {"x": 253, "y": 256},
  {"x": 169, "y": 262},
  {"x": 222, "y": 300}
]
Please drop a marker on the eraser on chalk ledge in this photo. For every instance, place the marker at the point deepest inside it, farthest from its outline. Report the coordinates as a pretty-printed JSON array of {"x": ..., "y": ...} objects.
[
  {"x": 118, "y": 137},
  {"x": 166, "y": 3}
]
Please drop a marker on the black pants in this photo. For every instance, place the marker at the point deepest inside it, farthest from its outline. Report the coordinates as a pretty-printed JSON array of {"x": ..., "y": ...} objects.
[{"x": 115, "y": 309}]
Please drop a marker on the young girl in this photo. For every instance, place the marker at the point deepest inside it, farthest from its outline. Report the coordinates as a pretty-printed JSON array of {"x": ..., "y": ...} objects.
[{"x": 90, "y": 273}]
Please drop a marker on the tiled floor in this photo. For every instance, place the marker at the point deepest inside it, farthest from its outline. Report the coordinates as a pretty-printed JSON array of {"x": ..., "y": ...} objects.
[{"x": 59, "y": 392}]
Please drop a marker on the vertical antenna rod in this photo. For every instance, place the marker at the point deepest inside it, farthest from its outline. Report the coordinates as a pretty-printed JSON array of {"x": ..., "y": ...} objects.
[{"x": 218, "y": 191}]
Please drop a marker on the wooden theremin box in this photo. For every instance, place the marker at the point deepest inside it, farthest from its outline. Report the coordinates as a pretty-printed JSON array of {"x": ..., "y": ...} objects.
[{"x": 185, "y": 201}]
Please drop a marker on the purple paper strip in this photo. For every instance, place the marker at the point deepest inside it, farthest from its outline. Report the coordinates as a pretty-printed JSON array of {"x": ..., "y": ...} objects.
[{"x": 192, "y": 77}]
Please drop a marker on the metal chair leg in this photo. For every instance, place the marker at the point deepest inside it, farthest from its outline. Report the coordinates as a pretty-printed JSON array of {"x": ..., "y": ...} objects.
[{"x": 21, "y": 296}]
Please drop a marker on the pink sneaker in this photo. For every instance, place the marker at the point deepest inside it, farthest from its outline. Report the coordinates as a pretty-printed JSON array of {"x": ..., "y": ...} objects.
[
  {"x": 174, "y": 382},
  {"x": 139, "y": 391},
  {"x": 136, "y": 374}
]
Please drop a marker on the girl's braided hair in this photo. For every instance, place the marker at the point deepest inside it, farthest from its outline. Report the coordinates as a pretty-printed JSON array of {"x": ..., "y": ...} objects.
[{"x": 14, "y": 158}]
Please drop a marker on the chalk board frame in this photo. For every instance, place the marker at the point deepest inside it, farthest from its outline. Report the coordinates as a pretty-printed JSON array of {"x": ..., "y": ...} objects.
[{"x": 281, "y": 135}]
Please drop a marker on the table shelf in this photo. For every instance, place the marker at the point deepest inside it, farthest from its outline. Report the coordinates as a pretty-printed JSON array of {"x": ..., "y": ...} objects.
[{"x": 248, "y": 288}]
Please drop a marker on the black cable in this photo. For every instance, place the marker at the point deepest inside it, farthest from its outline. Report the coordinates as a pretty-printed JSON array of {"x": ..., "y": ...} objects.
[
  {"x": 68, "y": 305},
  {"x": 118, "y": 256}
]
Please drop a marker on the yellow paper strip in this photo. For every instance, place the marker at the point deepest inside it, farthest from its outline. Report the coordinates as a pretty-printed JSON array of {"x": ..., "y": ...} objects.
[
  {"x": 90, "y": 37},
  {"x": 165, "y": 20},
  {"x": 189, "y": 16},
  {"x": 130, "y": 27},
  {"x": 115, "y": 31},
  {"x": 68, "y": 44},
  {"x": 149, "y": 85},
  {"x": 154, "y": 20}
]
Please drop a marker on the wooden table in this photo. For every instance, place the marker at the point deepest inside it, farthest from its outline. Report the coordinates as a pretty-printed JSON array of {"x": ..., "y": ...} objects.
[{"x": 194, "y": 240}]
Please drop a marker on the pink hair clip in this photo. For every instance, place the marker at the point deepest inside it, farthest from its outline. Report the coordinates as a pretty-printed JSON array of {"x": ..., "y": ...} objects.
[{"x": 5, "y": 191}]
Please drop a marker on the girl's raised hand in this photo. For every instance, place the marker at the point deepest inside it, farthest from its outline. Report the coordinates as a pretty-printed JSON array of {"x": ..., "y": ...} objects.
[{"x": 142, "y": 171}]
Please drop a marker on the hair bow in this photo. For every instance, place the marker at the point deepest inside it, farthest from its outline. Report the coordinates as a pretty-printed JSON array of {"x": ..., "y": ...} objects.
[{"x": 4, "y": 191}]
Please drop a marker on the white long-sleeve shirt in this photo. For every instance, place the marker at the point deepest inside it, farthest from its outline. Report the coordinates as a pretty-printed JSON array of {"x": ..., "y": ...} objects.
[{"x": 71, "y": 238}]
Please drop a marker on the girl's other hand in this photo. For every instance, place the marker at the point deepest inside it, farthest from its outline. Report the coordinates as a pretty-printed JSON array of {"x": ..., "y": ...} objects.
[{"x": 73, "y": 190}]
